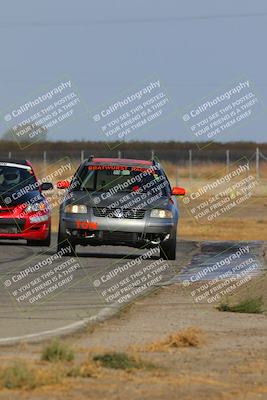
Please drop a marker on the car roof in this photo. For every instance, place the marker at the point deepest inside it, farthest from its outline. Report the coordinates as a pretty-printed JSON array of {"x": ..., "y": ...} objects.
[
  {"x": 14, "y": 161},
  {"x": 125, "y": 161}
]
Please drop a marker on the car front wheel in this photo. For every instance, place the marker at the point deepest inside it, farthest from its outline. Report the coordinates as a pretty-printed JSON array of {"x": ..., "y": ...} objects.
[
  {"x": 44, "y": 243},
  {"x": 64, "y": 243},
  {"x": 168, "y": 249}
]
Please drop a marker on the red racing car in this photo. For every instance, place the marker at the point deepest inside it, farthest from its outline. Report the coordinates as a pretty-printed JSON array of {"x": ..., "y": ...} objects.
[{"x": 24, "y": 211}]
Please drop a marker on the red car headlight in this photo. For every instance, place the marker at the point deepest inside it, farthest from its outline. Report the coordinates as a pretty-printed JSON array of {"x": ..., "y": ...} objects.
[{"x": 41, "y": 206}]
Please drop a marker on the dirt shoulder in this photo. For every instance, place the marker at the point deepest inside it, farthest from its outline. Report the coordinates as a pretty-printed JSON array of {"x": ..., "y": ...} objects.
[
  {"x": 229, "y": 363},
  {"x": 248, "y": 222}
]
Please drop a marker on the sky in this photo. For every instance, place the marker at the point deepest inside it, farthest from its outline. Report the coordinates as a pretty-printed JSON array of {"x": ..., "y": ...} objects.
[{"x": 108, "y": 48}]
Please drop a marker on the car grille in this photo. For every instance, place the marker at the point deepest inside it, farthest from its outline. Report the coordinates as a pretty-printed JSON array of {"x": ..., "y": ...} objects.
[
  {"x": 6, "y": 211},
  {"x": 119, "y": 213},
  {"x": 11, "y": 225},
  {"x": 119, "y": 237}
]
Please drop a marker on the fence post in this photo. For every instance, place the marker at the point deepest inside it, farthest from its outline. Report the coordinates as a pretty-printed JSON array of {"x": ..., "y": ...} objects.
[
  {"x": 45, "y": 162},
  {"x": 190, "y": 164},
  {"x": 177, "y": 174},
  {"x": 258, "y": 163},
  {"x": 227, "y": 160},
  {"x": 82, "y": 155}
]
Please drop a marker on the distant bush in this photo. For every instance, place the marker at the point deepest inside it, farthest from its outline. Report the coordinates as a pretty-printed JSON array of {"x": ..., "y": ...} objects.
[
  {"x": 17, "y": 376},
  {"x": 250, "y": 306},
  {"x": 121, "y": 361},
  {"x": 57, "y": 351},
  {"x": 189, "y": 337}
]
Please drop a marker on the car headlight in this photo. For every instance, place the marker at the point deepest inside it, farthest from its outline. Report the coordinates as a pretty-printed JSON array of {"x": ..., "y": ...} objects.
[
  {"x": 158, "y": 213},
  {"x": 76, "y": 209},
  {"x": 35, "y": 207}
]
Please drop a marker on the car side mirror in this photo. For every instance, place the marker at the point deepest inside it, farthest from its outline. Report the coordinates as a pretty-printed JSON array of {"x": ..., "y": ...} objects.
[
  {"x": 46, "y": 186},
  {"x": 178, "y": 191},
  {"x": 63, "y": 184}
]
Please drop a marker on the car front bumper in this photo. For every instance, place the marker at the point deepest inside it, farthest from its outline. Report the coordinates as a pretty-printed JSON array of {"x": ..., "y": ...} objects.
[
  {"x": 116, "y": 230},
  {"x": 23, "y": 228}
]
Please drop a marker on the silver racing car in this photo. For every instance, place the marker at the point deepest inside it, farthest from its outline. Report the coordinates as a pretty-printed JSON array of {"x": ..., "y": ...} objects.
[{"x": 114, "y": 201}]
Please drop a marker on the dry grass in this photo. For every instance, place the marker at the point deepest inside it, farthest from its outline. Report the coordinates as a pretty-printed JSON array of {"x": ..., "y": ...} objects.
[
  {"x": 251, "y": 297},
  {"x": 207, "y": 170},
  {"x": 248, "y": 222},
  {"x": 249, "y": 306},
  {"x": 18, "y": 374},
  {"x": 57, "y": 351},
  {"x": 190, "y": 337},
  {"x": 87, "y": 369},
  {"x": 226, "y": 228},
  {"x": 122, "y": 361},
  {"x": 24, "y": 375}
]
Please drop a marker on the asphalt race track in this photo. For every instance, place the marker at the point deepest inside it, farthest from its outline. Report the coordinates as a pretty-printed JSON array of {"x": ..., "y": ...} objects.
[{"x": 81, "y": 301}]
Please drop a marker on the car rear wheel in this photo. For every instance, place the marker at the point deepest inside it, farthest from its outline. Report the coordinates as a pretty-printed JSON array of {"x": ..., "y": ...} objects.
[
  {"x": 168, "y": 249},
  {"x": 65, "y": 244},
  {"x": 44, "y": 243}
]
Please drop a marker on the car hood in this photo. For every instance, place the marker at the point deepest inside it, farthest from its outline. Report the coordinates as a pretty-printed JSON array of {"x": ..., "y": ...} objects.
[
  {"x": 12, "y": 199},
  {"x": 121, "y": 200}
]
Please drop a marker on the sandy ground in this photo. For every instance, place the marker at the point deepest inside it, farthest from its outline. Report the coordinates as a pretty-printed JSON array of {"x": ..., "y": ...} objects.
[{"x": 230, "y": 363}]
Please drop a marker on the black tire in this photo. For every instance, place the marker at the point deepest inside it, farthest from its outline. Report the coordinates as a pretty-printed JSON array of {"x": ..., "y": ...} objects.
[
  {"x": 63, "y": 242},
  {"x": 168, "y": 249},
  {"x": 43, "y": 243}
]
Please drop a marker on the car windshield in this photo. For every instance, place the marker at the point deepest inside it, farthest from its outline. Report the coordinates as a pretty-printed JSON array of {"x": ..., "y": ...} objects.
[
  {"x": 117, "y": 178},
  {"x": 15, "y": 178}
]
